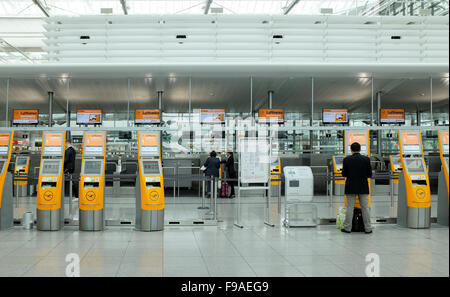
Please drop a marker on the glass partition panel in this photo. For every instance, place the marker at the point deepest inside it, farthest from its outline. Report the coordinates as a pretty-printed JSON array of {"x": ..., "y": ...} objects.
[{"x": 109, "y": 95}]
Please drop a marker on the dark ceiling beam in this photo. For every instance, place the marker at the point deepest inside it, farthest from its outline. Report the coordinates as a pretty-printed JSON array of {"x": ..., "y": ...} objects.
[
  {"x": 290, "y": 6},
  {"x": 42, "y": 7},
  {"x": 207, "y": 6},
  {"x": 124, "y": 6}
]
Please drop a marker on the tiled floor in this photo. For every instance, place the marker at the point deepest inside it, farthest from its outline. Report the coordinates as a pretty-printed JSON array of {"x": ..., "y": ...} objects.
[{"x": 226, "y": 251}]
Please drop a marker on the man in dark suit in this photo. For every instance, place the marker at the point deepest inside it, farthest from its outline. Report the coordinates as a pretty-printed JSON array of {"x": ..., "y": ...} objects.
[
  {"x": 357, "y": 169},
  {"x": 69, "y": 166},
  {"x": 212, "y": 166}
]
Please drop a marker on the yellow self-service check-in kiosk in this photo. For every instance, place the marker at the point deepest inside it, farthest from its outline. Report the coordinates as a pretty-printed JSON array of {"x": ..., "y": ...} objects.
[
  {"x": 443, "y": 194},
  {"x": 414, "y": 197},
  {"x": 21, "y": 169},
  {"x": 50, "y": 188},
  {"x": 92, "y": 182},
  {"x": 339, "y": 180},
  {"x": 396, "y": 168},
  {"x": 6, "y": 197},
  {"x": 275, "y": 172},
  {"x": 150, "y": 183},
  {"x": 361, "y": 137}
]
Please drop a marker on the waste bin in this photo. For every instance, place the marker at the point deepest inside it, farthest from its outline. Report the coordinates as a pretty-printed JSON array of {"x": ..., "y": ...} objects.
[{"x": 27, "y": 221}]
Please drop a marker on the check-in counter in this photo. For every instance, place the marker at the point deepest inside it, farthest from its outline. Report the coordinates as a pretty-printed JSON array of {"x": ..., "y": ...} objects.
[{"x": 181, "y": 165}]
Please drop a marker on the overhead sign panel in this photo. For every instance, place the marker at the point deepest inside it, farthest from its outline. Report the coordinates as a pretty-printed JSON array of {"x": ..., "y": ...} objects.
[
  {"x": 25, "y": 116},
  {"x": 335, "y": 116},
  {"x": 392, "y": 116},
  {"x": 212, "y": 116},
  {"x": 271, "y": 115},
  {"x": 147, "y": 116},
  {"x": 89, "y": 116}
]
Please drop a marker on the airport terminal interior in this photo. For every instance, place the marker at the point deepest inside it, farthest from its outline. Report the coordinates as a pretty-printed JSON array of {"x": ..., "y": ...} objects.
[{"x": 110, "y": 111}]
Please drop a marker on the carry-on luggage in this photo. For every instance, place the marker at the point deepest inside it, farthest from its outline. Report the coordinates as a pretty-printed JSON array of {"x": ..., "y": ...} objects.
[
  {"x": 224, "y": 190},
  {"x": 357, "y": 222}
]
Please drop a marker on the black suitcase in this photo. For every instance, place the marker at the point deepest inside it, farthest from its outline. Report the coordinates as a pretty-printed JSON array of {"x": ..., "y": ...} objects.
[{"x": 357, "y": 222}]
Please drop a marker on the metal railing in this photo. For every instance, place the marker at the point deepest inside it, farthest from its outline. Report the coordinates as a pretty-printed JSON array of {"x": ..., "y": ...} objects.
[{"x": 328, "y": 177}]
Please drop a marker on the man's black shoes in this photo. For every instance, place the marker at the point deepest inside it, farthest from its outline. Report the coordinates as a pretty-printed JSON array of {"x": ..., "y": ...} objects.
[{"x": 345, "y": 231}]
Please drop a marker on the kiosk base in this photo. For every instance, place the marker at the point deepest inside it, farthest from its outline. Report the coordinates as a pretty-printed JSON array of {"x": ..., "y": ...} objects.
[
  {"x": 150, "y": 220},
  {"x": 6, "y": 210},
  {"x": 21, "y": 191},
  {"x": 394, "y": 187},
  {"x": 338, "y": 189},
  {"x": 411, "y": 217},
  {"x": 91, "y": 220},
  {"x": 49, "y": 220},
  {"x": 442, "y": 211}
]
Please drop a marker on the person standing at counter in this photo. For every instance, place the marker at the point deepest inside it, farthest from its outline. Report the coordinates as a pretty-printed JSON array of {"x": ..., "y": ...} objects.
[
  {"x": 211, "y": 168},
  {"x": 357, "y": 169},
  {"x": 231, "y": 172},
  {"x": 69, "y": 166}
]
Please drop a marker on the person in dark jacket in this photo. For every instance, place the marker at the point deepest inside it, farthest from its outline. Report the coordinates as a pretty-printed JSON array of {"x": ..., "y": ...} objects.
[
  {"x": 212, "y": 166},
  {"x": 231, "y": 172},
  {"x": 357, "y": 169},
  {"x": 69, "y": 166}
]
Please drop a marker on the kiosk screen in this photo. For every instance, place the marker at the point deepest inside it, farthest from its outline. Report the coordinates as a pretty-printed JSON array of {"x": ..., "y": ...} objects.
[
  {"x": 50, "y": 167},
  {"x": 415, "y": 166},
  {"x": 92, "y": 167},
  {"x": 274, "y": 161},
  {"x": 151, "y": 167},
  {"x": 338, "y": 160},
  {"x": 21, "y": 161}
]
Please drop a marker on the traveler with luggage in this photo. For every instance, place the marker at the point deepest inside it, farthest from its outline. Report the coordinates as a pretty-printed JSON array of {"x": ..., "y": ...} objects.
[
  {"x": 211, "y": 169},
  {"x": 357, "y": 169},
  {"x": 231, "y": 173}
]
